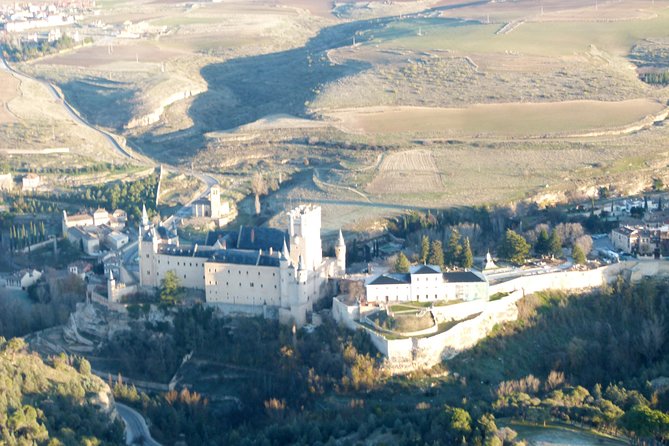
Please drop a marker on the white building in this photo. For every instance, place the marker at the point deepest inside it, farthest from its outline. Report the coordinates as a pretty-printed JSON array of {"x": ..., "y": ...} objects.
[
  {"x": 89, "y": 242},
  {"x": 426, "y": 283},
  {"x": 252, "y": 270},
  {"x": 6, "y": 181},
  {"x": 99, "y": 217},
  {"x": 30, "y": 182},
  {"x": 23, "y": 279}
]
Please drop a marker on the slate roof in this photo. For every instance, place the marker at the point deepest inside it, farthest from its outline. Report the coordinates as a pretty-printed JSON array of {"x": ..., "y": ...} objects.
[
  {"x": 239, "y": 257},
  {"x": 250, "y": 238},
  {"x": 391, "y": 279},
  {"x": 232, "y": 256},
  {"x": 462, "y": 276},
  {"x": 425, "y": 269}
]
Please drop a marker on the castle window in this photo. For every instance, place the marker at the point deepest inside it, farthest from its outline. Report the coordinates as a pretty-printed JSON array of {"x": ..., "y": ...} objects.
[
  {"x": 251, "y": 284},
  {"x": 147, "y": 256},
  {"x": 273, "y": 274},
  {"x": 226, "y": 284},
  {"x": 184, "y": 276},
  {"x": 258, "y": 272},
  {"x": 275, "y": 287}
]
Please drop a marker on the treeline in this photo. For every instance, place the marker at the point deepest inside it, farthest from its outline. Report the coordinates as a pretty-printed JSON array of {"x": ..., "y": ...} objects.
[
  {"x": 128, "y": 196},
  {"x": 22, "y": 236},
  {"x": 599, "y": 353},
  {"x": 74, "y": 170},
  {"x": 54, "y": 403},
  {"x": 18, "y": 51},
  {"x": 658, "y": 78},
  {"x": 283, "y": 374}
]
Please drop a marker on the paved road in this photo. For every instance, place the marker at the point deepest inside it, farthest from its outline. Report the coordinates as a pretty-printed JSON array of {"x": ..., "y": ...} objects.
[
  {"x": 136, "y": 430},
  {"x": 68, "y": 108}
]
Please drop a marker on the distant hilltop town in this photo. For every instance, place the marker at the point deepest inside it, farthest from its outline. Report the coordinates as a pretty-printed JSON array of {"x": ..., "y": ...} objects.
[{"x": 19, "y": 17}]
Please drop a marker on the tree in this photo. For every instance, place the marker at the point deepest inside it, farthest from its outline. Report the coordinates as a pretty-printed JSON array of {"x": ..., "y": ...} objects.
[
  {"x": 170, "y": 288},
  {"x": 259, "y": 187},
  {"x": 402, "y": 264},
  {"x": 424, "y": 248},
  {"x": 467, "y": 258},
  {"x": 542, "y": 247},
  {"x": 555, "y": 244},
  {"x": 514, "y": 247},
  {"x": 578, "y": 255},
  {"x": 453, "y": 249},
  {"x": 436, "y": 256}
]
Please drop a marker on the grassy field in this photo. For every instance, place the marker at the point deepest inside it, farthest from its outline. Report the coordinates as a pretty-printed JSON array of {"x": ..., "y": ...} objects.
[{"x": 504, "y": 120}]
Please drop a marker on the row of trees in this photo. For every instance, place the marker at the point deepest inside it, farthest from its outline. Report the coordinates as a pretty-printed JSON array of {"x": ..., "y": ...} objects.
[
  {"x": 659, "y": 78},
  {"x": 18, "y": 50},
  {"x": 22, "y": 236}
]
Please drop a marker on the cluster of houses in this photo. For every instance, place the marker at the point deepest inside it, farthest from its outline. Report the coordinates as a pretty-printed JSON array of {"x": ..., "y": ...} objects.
[
  {"x": 21, "y": 17},
  {"x": 91, "y": 231},
  {"x": 29, "y": 183}
]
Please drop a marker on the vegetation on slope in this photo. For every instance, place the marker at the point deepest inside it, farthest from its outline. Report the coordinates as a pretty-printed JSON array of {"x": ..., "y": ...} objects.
[{"x": 52, "y": 403}]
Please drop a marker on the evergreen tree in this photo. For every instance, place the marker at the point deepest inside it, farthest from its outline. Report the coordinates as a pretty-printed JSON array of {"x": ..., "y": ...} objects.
[
  {"x": 555, "y": 244},
  {"x": 542, "y": 247},
  {"x": 514, "y": 247},
  {"x": 578, "y": 255},
  {"x": 402, "y": 264},
  {"x": 467, "y": 258},
  {"x": 424, "y": 248},
  {"x": 454, "y": 249},
  {"x": 436, "y": 256}
]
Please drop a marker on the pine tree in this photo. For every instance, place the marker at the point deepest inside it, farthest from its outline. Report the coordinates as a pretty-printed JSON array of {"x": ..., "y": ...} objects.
[
  {"x": 402, "y": 264},
  {"x": 436, "y": 256},
  {"x": 454, "y": 249},
  {"x": 578, "y": 255},
  {"x": 467, "y": 258},
  {"x": 542, "y": 246},
  {"x": 514, "y": 247},
  {"x": 424, "y": 248},
  {"x": 555, "y": 244}
]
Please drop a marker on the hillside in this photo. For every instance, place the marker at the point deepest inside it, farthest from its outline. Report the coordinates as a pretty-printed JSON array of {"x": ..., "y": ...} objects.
[{"x": 53, "y": 402}]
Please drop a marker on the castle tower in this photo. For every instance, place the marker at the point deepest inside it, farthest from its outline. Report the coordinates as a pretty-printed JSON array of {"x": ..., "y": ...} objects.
[
  {"x": 64, "y": 224},
  {"x": 145, "y": 217},
  {"x": 148, "y": 247},
  {"x": 340, "y": 254},
  {"x": 111, "y": 287},
  {"x": 304, "y": 227},
  {"x": 215, "y": 201}
]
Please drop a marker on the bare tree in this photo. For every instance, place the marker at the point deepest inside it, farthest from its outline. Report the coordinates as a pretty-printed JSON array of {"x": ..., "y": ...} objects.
[{"x": 259, "y": 187}]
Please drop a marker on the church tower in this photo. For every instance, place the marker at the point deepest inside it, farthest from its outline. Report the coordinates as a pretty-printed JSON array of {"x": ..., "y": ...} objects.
[{"x": 215, "y": 201}]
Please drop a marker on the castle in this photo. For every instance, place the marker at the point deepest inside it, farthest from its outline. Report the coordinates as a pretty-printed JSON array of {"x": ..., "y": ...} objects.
[{"x": 262, "y": 271}]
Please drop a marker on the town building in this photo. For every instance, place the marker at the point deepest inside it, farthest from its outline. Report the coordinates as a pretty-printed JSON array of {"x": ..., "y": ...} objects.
[
  {"x": 22, "y": 280},
  {"x": 116, "y": 220},
  {"x": 263, "y": 271},
  {"x": 6, "y": 182},
  {"x": 426, "y": 283},
  {"x": 30, "y": 182},
  {"x": 211, "y": 206}
]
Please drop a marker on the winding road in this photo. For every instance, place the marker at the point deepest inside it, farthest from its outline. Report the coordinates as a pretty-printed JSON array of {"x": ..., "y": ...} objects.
[
  {"x": 72, "y": 113},
  {"x": 136, "y": 430}
]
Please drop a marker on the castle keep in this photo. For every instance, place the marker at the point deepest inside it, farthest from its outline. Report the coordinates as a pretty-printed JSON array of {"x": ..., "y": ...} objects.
[{"x": 264, "y": 271}]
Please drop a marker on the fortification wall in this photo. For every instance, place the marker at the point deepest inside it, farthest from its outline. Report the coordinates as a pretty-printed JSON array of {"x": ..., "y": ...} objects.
[{"x": 403, "y": 355}]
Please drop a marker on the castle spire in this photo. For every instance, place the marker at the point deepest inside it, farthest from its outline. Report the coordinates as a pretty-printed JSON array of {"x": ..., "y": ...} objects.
[
  {"x": 284, "y": 251},
  {"x": 145, "y": 216},
  {"x": 341, "y": 242}
]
